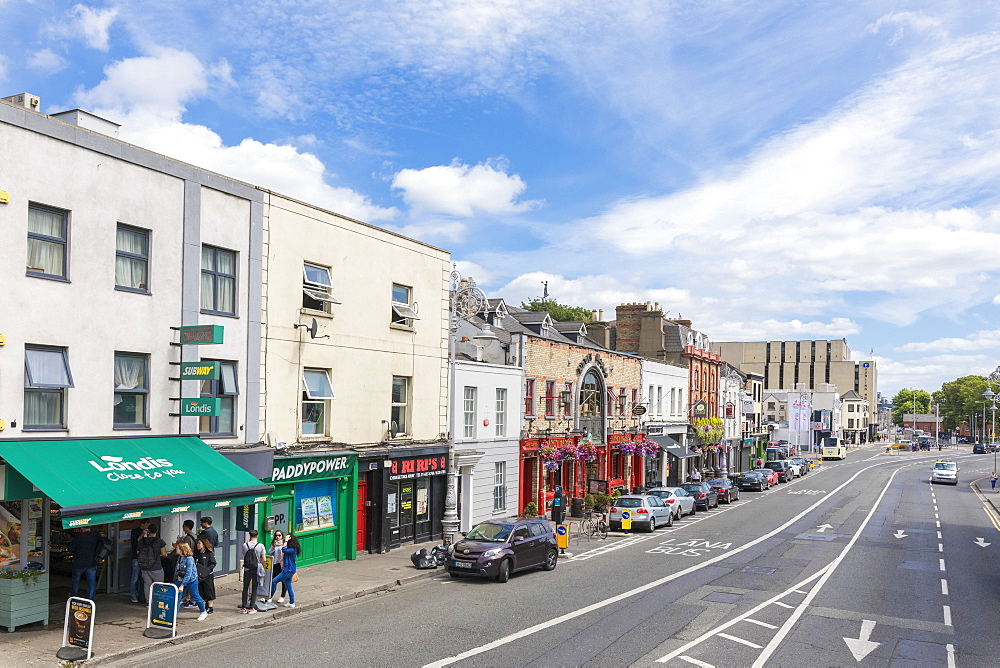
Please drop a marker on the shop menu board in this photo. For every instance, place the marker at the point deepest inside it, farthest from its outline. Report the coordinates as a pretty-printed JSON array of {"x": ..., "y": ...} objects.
[
  {"x": 317, "y": 513},
  {"x": 20, "y": 531}
]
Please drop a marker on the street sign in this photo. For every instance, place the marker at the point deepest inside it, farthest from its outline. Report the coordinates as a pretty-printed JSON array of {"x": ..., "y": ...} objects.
[
  {"x": 193, "y": 335},
  {"x": 210, "y": 407},
  {"x": 562, "y": 536},
  {"x": 700, "y": 409},
  {"x": 78, "y": 630},
  {"x": 161, "y": 615},
  {"x": 626, "y": 519},
  {"x": 638, "y": 410}
]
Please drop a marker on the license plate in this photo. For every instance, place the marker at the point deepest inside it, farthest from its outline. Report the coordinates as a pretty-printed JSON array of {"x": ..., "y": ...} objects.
[{"x": 461, "y": 564}]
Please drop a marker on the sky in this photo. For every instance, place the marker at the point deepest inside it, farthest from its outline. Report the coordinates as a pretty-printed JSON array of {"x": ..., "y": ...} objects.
[{"x": 769, "y": 170}]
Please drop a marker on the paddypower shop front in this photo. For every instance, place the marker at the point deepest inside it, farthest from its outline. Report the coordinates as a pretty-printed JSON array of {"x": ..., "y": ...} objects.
[{"x": 110, "y": 484}]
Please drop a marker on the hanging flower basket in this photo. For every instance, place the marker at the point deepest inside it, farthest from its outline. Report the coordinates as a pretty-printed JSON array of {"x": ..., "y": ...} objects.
[{"x": 551, "y": 466}]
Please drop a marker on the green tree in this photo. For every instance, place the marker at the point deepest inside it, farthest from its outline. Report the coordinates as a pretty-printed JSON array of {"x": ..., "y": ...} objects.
[
  {"x": 959, "y": 400},
  {"x": 903, "y": 402},
  {"x": 559, "y": 312}
]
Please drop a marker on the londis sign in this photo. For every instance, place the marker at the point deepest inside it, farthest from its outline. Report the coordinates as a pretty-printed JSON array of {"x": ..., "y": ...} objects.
[{"x": 210, "y": 407}]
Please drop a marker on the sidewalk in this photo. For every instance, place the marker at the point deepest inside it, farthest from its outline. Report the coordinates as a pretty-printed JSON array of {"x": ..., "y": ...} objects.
[
  {"x": 990, "y": 495},
  {"x": 120, "y": 623}
]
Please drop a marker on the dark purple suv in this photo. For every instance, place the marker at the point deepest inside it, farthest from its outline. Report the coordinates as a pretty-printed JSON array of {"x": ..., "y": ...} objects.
[{"x": 497, "y": 548}]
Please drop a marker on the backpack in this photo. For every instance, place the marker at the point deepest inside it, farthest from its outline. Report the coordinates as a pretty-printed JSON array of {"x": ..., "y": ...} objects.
[
  {"x": 180, "y": 571},
  {"x": 251, "y": 560},
  {"x": 149, "y": 559},
  {"x": 104, "y": 548}
]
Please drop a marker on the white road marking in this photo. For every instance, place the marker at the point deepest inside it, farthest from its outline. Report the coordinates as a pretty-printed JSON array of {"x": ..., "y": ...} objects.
[
  {"x": 702, "y": 664},
  {"x": 951, "y": 655},
  {"x": 759, "y": 623},
  {"x": 939, "y": 535},
  {"x": 801, "y": 592},
  {"x": 944, "y": 587},
  {"x": 940, "y": 547},
  {"x": 784, "y": 605},
  {"x": 938, "y": 524},
  {"x": 947, "y": 615},
  {"x": 941, "y": 563},
  {"x": 740, "y": 640}
]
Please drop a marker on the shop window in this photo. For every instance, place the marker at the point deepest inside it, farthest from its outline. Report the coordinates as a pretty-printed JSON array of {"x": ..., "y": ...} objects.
[
  {"x": 529, "y": 397},
  {"x": 131, "y": 390},
  {"x": 48, "y": 241},
  {"x": 500, "y": 419},
  {"x": 317, "y": 391},
  {"x": 403, "y": 308},
  {"x": 400, "y": 409},
  {"x": 423, "y": 500},
  {"x": 550, "y": 398},
  {"x": 469, "y": 413},
  {"x": 226, "y": 390},
  {"x": 315, "y": 505},
  {"x": 132, "y": 259},
  {"x": 499, "y": 487},
  {"x": 317, "y": 288},
  {"x": 47, "y": 376},
  {"x": 218, "y": 280}
]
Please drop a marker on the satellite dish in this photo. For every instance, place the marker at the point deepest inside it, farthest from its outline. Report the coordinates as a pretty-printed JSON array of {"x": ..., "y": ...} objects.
[{"x": 313, "y": 329}]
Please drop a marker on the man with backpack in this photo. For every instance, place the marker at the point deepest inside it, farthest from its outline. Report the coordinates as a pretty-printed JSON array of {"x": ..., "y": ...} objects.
[
  {"x": 253, "y": 572},
  {"x": 150, "y": 550}
]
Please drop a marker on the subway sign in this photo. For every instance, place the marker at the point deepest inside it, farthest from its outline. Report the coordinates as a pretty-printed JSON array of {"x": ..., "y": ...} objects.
[
  {"x": 200, "y": 370},
  {"x": 211, "y": 407}
]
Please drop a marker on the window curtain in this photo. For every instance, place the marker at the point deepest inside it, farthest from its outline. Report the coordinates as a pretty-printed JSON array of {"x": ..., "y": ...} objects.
[
  {"x": 130, "y": 272},
  {"x": 227, "y": 294},
  {"x": 45, "y": 256},
  {"x": 208, "y": 291},
  {"x": 45, "y": 222},
  {"x": 43, "y": 409}
]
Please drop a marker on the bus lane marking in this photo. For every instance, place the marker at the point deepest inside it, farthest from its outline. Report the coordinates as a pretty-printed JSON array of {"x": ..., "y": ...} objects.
[{"x": 692, "y": 547}]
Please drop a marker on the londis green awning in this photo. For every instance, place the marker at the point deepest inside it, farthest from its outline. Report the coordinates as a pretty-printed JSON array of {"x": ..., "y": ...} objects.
[{"x": 112, "y": 479}]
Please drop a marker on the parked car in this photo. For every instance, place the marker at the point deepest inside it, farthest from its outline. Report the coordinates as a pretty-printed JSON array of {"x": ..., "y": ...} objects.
[
  {"x": 794, "y": 468},
  {"x": 677, "y": 498},
  {"x": 497, "y": 548},
  {"x": 772, "y": 475},
  {"x": 754, "y": 480},
  {"x": 645, "y": 510},
  {"x": 705, "y": 496},
  {"x": 725, "y": 489},
  {"x": 780, "y": 467},
  {"x": 803, "y": 464}
]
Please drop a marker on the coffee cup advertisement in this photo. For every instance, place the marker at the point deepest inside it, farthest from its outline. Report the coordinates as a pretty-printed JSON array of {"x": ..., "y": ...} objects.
[{"x": 80, "y": 622}]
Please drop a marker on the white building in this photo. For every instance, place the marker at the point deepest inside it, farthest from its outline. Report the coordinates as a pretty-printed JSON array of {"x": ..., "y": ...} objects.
[
  {"x": 665, "y": 397},
  {"x": 802, "y": 416}
]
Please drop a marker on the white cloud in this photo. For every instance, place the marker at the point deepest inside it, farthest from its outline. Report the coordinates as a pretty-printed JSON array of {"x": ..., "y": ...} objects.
[
  {"x": 433, "y": 231},
  {"x": 984, "y": 339},
  {"x": 770, "y": 329},
  {"x": 916, "y": 21},
  {"x": 152, "y": 117},
  {"x": 90, "y": 24},
  {"x": 47, "y": 61},
  {"x": 462, "y": 190},
  {"x": 4, "y": 64}
]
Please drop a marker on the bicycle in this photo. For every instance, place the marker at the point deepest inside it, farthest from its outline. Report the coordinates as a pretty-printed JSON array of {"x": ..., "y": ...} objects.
[{"x": 594, "y": 524}]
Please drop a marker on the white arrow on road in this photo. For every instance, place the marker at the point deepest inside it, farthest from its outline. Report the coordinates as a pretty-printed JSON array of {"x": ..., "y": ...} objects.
[
  {"x": 823, "y": 527},
  {"x": 900, "y": 534},
  {"x": 861, "y": 647},
  {"x": 980, "y": 542}
]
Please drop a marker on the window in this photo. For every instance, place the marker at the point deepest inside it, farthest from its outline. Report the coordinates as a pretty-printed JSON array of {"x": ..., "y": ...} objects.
[
  {"x": 550, "y": 398},
  {"x": 47, "y": 240},
  {"x": 649, "y": 398},
  {"x": 403, "y": 313},
  {"x": 46, "y": 377},
  {"x": 850, "y": 423},
  {"x": 622, "y": 398},
  {"x": 850, "y": 408},
  {"x": 131, "y": 390},
  {"x": 611, "y": 401},
  {"x": 317, "y": 391},
  {"x": 529, "y": 396},
  {"x": 635, "y": 397},
  {"x": 567, "y": 399},
  {"x": 317, "y": 287},
  {"x": 226, "y": 390},
  {"x": 500, "y": 423},
  {"x": 399, "y": 418},
  {"x": 132, "y": 259},
  {"x": 659, "y": 399},
  {"x": 499, "y": 487},
  {"x": 469, "y": 413},
  {"x": 218, "y": 280}
]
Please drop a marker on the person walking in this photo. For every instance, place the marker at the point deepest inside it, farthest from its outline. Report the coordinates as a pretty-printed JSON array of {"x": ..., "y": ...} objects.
[
  {"x": 288, "y": 573},
  {"x": 151, "y": 551},
  {"x": 277, "y": 545},
  {"x": 186, "y": 573},
  {"x": 993, "y": 480},
  {"x": 136, "y": 533},
  {"x": 208, "y": 530},
  {"x": 188, "y": 538},
  {"x": 253, "y": 571},
  {"x": 204, "y": 560},
  {"x": 695, "y": 476},
  {"x": 83, "y": 548}
]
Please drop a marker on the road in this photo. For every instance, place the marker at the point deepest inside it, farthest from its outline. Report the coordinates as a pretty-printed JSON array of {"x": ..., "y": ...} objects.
[{"x": 862, "y": 562}]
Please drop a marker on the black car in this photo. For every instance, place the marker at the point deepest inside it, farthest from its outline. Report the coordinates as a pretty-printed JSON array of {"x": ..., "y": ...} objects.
[
  {"x": 497, "y": 548},
  {"x": 781, "y": 468},
  {"x": 705, "y": 496},
  {"x": 752, "y": 480},
  {"x": 979, "y": 449},
  {"x": 725, "y": 489}
]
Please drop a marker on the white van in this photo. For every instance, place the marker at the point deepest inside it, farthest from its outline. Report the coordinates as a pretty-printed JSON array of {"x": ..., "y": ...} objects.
[{"x": 833, "y": 449}]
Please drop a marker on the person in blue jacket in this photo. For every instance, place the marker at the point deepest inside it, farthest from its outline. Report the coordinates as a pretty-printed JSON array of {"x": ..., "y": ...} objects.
[
  {"x": 189, "y": 580},
  {"x": 291, "y": 550}
]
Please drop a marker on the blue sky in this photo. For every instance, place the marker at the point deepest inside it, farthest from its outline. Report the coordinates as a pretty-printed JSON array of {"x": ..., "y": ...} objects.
[{"x": 770, "y": 170}]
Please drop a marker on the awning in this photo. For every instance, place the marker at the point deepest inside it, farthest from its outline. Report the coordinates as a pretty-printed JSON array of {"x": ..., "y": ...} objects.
[
  {"x": 672, "y": 447},
  {"x": 96, "y": 481}
]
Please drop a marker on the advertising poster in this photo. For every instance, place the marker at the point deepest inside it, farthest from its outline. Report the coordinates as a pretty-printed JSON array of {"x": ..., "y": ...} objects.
[
  {"x": 324, "y": 506},
  {"x": 80, "y": 623},
  {"x": 163, "y": 607},
  {"x": 310, "y": 519},
  {"x": 421, "y": 501},
  {"x": 10, "y": 533}
]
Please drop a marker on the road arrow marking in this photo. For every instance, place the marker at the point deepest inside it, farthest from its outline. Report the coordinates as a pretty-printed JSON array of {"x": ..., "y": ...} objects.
[
  {"x": 900, "y": 534},
  {"x": 823, "y": 527},
  {"x": 861, "y": 647},
  {"x": 980, "y": 542}
]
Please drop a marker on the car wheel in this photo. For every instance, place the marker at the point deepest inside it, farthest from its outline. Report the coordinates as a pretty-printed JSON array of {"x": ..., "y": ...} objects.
[
  {"x": 551, "y": 559},
  {"x": 694, "y": 509},
  {"x": 652, "y": 525},
  {"x": 503, "y": 574},
  {"x": 670, "y": 519}
]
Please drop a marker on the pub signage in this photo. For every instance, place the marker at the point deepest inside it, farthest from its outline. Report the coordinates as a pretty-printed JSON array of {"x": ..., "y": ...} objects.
[
  {"x": 418, "y": 467},
  {"x": 700, "y": 409},
  {"x": 200, "y": 370},
  {"x": 193, "y": 335}
]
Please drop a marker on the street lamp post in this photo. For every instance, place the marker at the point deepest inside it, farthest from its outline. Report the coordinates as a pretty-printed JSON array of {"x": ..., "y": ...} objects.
[
  {"x": 465, "y": 301},
  {"x": 993, "y": 398}
]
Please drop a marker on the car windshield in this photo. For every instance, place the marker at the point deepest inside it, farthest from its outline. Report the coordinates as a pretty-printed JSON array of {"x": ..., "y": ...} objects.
[
  {"x": 494, "y": 533},
  {"x": 945, "y": 466},
  {"x": 629, "y": 503},
  {"x": 752, "y": 474},
  {"x": 718, "y": 483},
  {"x": 662, "y": 493},
  {"x": 693, "y": 488}
]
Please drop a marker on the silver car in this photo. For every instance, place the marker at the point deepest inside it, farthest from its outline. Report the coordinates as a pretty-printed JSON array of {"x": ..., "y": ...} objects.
[
  {"x": 680, "y": 502},
  {"x": 945, "y": 471},
  {"x": 644, "y": 510}
]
